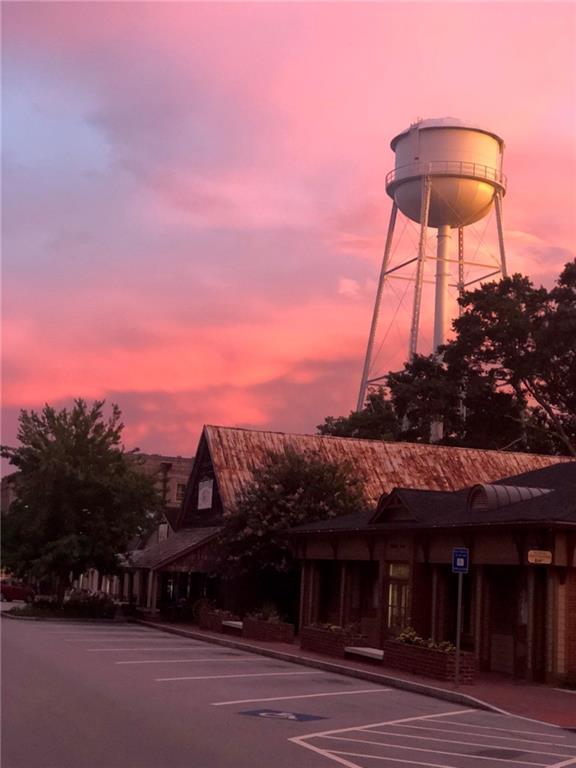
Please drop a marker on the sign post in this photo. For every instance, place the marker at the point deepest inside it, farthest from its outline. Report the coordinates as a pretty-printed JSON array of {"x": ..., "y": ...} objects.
[{"x": 460, "y": 562}]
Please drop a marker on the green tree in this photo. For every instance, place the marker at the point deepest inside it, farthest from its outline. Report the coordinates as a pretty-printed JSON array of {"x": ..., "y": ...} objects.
[
  {"x": 520, "y": 340},
  {"x": 376, "y": 421},
  {"x": 507, "y": 380},
  {"x": 80, "y": 497},
  {"x": 290, "y": 488}
]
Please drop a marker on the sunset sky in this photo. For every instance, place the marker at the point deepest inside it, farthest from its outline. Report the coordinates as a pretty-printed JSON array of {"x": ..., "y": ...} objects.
[{"x": 194, "y": 200}]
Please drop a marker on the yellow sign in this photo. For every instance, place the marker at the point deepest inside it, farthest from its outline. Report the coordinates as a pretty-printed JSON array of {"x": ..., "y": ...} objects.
[{"x": 539, "y": 557}]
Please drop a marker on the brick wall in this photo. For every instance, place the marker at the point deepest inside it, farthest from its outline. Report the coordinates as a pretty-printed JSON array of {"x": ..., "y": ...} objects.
[
  {"x": 331, "y": 642},
  {"x": 428, "y": 663},
  {"x": 278, "y": 631}
]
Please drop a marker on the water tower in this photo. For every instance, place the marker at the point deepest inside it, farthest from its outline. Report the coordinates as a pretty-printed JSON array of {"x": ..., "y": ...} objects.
[{"x": 447, "y": 175}]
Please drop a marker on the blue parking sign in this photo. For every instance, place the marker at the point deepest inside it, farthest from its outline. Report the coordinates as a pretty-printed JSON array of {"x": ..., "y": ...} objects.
[{"x": 460, "y": 559}]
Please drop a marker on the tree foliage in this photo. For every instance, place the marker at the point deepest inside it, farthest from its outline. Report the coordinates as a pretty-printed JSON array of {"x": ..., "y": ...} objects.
[
  {"x": 79, "y": 496},
  {"x": 376, "y": 421},
  {"x": 507, "y": 380},
  {"x": 290, "y": 489}
]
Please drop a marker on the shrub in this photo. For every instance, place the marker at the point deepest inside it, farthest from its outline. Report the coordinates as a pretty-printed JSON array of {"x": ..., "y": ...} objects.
[{"x": 409, "y": 636}]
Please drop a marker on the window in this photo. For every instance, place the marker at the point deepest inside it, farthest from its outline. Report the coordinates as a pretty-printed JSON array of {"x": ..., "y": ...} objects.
[
  {"x": 205, "y": 494},
  {"x": 398, "y": 596},
  {"x": 180, "y": 491}
]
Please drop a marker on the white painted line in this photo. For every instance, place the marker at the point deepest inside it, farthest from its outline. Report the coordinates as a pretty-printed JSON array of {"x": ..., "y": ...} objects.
[
  {"x": 123, "y": 639},
  {"x": 186, "y": 661},
  {"x": 509, "y": 730},
  {"x": 388, "y": 722},
  {"x": 469, "y": 743},
  {"x": 225, "y": 677},
  {"x": 435, "y": 729},
  {"x": 390, "y": 759},
  {"x": 437, "y": 751},
  {"x": 158, "y": 650},
  {"x": 303, "y": 696},
  {"x": 454, "y": 741},
  {"x": 564, "y": 764},
  {"x": 564, "y": 690},
  {"x": 324, "y": 753}
]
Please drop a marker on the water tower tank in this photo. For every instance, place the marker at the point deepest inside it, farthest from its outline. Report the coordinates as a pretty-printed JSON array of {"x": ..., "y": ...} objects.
[{"x": 463, "y": 162}]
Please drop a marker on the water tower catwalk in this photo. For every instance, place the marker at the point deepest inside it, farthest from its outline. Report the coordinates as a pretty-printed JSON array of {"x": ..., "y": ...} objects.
[{"x": 447, "y": 175}]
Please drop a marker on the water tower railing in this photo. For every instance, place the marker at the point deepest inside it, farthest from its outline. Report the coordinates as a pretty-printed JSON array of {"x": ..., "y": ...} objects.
[{"x": 446, "y": 168}]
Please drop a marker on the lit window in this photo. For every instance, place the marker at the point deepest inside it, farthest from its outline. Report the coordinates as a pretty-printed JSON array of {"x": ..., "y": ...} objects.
[{"x": 398, "y": 596}]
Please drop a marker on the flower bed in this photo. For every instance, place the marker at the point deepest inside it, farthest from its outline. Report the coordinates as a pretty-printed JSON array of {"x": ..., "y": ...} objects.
[
  {"x": 260, "y": 629},
  {"x": 331, "y": 641},
  {"x": 429, "y": 662}
]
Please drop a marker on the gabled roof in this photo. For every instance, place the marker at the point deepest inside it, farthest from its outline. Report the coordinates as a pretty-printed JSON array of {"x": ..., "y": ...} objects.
[
  {"x": 177, "y": 545},
  {"x": 237, "y": 453}
]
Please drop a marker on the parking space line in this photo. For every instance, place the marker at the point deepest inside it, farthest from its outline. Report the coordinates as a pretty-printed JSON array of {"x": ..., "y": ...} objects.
[
  {"x": 454, "y": 741},
  {"x": 435, "y": 729},
  {"x": 303, "y": 696},
  {"x": 436, "y": 751},
  {"x": 186, "y": 661},
  {"x": 120, "y": 640},
  {"x": 225, "y": 677},
  {"x": 379, "y": 757},
  {"x": 389, "y": 722},
  {"x": 564, "y": 764},
  {"x": 509, "y": 730},
  {"x": 158, "y": 650}
]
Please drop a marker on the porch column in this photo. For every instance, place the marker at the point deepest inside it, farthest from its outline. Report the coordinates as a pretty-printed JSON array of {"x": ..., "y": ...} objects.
[
  {"x": 530, "y": 625},
  {"x": 434, "y": 603},
  {"x": 343, "y": 594},
  {"x": 551, "y": 585},
  {"x": 152, "y": 591},
  {"x": 478, "y": 596},
  {"x": 304, "y": 588}
]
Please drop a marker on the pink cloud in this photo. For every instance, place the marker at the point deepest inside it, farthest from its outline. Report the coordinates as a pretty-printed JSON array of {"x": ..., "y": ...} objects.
[{"x": 200, "y": 230}]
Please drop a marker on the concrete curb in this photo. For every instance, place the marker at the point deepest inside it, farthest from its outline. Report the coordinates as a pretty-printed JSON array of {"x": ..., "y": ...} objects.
[
  {"x": 330, "y": 666},
  {"x": 6, "y": 615}
]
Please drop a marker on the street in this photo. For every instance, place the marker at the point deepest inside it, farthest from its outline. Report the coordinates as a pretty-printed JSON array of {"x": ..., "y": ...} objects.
[{"x": 79, "y": 695}]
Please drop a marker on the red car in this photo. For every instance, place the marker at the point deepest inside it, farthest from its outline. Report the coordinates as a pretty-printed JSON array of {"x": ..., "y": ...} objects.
[{"x": 10, "y": 589}]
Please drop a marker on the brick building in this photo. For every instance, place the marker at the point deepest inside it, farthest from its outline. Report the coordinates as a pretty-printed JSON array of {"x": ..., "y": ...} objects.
[{"x": 389, "y": 569}]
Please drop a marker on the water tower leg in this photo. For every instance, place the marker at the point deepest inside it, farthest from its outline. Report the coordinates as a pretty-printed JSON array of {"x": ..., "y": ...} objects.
[
  {"x": 442, "y": 277},
  {"x": 424, "y": 211},
  {"x": 498, "y": 206},
  {"x": 373, "y": 327},
  {"x": 460, "y": 265}
]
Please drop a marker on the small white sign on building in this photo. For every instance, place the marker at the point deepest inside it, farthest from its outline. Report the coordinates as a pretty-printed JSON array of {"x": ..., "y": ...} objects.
[
  {"x": 539, "y": 557},
  {"x": 205, "y": 494}
]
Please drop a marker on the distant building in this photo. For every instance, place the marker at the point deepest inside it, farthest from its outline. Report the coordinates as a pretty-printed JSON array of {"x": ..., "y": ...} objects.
[
  {"x": 390, "y": 569},
  {"x": 171, "y": 474}
]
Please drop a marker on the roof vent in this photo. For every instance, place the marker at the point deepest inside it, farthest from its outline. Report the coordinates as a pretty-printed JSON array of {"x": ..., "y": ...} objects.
[{"x": 484, "y": 497}]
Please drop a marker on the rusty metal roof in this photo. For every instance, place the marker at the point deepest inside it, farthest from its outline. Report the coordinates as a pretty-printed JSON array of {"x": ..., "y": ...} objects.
[{"x": 236, "y": 453}]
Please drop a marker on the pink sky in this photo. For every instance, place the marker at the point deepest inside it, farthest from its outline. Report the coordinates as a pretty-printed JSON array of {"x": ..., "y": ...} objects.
[{"x": 194, "y": 202}]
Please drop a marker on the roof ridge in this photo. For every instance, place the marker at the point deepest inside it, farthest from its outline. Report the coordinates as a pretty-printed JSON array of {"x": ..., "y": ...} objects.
[{"x": 558, "y": 459}]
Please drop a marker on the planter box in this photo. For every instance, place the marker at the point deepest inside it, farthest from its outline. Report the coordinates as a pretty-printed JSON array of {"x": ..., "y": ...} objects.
[
  {"x": 428, "y": 662},
  {"x": 212, "y": 621},
  {"x": 275, "y": 631},
  {"x": 331, "y": 642}
]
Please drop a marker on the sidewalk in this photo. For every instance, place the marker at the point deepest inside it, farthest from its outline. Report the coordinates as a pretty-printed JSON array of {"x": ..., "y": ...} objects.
[{"x": 534, "y": 701}]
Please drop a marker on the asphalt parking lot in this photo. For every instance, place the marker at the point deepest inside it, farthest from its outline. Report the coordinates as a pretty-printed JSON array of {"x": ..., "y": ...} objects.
[{"x": 112, "y": 696}]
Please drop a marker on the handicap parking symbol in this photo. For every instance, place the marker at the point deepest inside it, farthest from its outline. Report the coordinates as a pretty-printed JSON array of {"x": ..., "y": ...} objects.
[{"x": 275, "y": 714}]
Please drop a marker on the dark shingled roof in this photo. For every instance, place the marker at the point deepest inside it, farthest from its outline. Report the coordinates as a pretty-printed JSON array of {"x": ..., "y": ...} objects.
[
  {"x": 176, "y": 545},
  {"x": 441, "y": 509}
]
